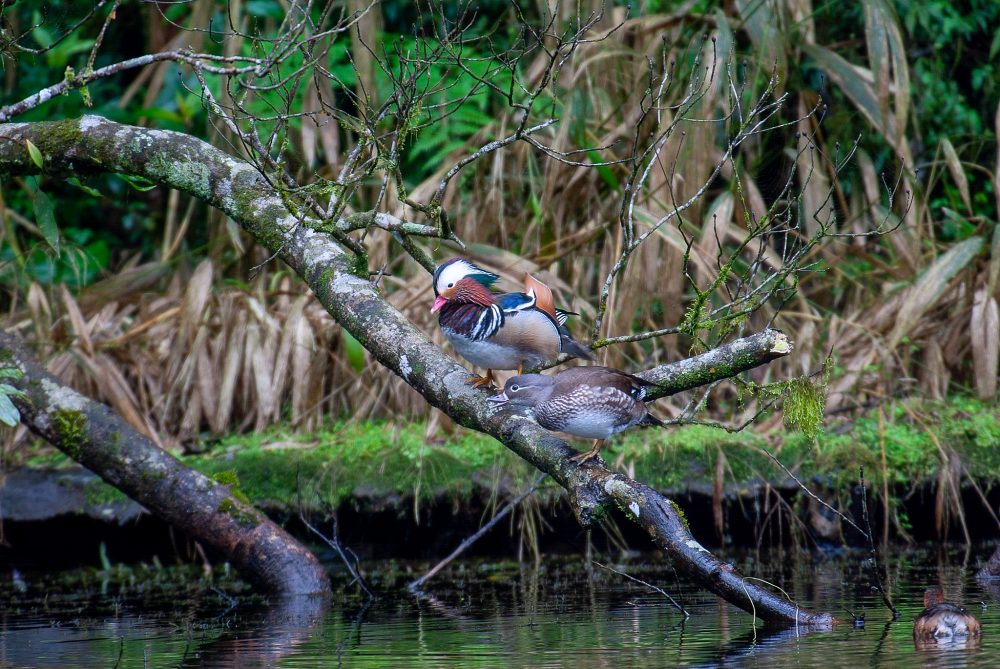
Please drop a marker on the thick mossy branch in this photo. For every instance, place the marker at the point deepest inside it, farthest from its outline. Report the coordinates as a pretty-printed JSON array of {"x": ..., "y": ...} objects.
[
  {"x": 723, "y": 362},
  {"x": 185, "y": 163},
  {"x": 211, "y": 512}
]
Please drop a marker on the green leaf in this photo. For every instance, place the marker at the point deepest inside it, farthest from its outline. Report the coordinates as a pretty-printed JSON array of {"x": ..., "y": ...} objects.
[
  {"x": 355, "y": 351},
  {"x": 11, "y": 373},
  {"x": 138, "y": 183},
  {"x": 45, "y": 217},
  {"x": 73, "y": 181},
  {"x": 268, "y": 9},
  {"x": 36, "y": 155},
  {"x": 9, "y": 415},
  {"x": 605, "y": 171}
]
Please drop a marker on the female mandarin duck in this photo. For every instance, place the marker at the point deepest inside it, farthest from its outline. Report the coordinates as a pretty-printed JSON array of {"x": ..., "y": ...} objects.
[
  {"x": 591, "y": 402},
  {"x": 943, "y": 621},
  {"x": 499, "y": 331}
]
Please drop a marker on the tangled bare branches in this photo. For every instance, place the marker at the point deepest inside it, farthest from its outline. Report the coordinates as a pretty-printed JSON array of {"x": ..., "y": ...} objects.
[
  {"x": 317, "y": 81},
  {"x": 321, "y": 73}
]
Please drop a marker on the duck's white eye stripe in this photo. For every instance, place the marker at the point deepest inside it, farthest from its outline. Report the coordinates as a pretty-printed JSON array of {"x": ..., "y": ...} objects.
[{"x": 458, "y": 270}]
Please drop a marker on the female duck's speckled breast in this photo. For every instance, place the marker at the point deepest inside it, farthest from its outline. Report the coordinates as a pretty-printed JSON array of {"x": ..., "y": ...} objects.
[
  {"x": 587, "y": 423},
  {"x": 592, "y": 413}
]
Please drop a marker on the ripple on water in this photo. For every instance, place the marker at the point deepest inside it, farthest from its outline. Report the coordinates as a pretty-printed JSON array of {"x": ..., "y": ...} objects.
[{"x": 487, "y": 616}]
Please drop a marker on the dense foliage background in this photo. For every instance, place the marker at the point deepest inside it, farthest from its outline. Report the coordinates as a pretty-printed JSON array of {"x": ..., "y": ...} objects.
[{"x": 162, "y": 307}]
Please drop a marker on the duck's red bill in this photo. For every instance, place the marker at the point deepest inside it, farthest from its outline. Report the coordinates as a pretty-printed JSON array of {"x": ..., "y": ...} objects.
[{"x": 438, "y": 303}]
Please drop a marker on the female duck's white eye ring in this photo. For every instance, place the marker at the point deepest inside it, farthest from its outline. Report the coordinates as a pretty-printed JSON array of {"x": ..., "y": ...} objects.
[{"x": 514, "y": 388}]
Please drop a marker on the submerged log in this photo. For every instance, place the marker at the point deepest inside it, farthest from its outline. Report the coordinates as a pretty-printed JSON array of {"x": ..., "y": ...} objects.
[
  {"x": 237, "y": 188},
  {"x": 208, "y": 511}
]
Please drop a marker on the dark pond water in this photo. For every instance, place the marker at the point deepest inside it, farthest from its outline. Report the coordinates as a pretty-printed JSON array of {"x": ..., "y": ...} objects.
[{"x": 488, "y": 615}]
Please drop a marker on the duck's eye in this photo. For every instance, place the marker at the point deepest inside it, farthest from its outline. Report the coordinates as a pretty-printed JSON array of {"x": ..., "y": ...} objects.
[
  {"x": 451, "y": 285},
  {"x": 514, "y": 388}
]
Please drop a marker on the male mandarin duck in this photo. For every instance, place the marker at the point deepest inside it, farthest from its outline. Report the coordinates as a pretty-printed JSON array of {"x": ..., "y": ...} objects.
[
  {"x": 591, "y": 402},
  {"x": 499, "y": 330},
  {"x": 943, "y": 621}
]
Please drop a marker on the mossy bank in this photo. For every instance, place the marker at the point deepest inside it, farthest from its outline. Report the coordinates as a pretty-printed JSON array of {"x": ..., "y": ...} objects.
[{"x": 903, "y": 444}]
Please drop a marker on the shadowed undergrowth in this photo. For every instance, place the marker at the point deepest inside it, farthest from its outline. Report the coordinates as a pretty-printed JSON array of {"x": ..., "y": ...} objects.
[{"x": 385, "y": 464}]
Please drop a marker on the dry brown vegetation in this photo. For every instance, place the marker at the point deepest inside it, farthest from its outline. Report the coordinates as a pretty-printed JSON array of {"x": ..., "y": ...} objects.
[{"x": 180, "y": 353}]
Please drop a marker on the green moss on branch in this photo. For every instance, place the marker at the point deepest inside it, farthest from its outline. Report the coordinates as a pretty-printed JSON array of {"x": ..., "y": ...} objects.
[{"x": 71, "y": 426}]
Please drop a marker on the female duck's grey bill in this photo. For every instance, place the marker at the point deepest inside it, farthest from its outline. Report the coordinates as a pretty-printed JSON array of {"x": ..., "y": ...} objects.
[{"x": 498, "y": 399}]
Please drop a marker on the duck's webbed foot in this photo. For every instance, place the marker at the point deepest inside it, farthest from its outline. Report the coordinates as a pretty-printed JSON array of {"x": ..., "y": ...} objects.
[
  {"x": 594, "y": 452},
  {"x": 482, "y": 381}
]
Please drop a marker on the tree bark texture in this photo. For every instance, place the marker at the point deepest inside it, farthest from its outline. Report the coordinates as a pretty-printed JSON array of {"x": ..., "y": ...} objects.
[
  {"x": 94, "y": 144},
  {"x": 208, "y": 511}
]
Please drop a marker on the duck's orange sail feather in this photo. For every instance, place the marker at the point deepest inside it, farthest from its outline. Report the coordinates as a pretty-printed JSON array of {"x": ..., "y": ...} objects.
[{"x": 543, "y": 295}]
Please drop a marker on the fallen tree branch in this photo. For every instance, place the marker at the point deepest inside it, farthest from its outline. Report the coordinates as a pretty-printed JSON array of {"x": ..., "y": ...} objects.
[
  {"x": 345, "y": 290},
  {"x": 208, "y": 511}
]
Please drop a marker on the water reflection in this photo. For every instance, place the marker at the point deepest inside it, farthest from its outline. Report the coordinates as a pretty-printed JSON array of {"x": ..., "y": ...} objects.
[
  {"x": 485, "y": 615},
  {"x": 772, "y": 646},
  {"x": 280, "y": 632}
]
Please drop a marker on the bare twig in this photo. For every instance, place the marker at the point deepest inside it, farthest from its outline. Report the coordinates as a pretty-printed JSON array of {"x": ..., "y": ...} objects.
[
  {"x": 462, "y": 547},
  {"x": 871, "y": 547},
  {"x": 333, "y": 541},
  {"x": 804, "y": 488},
  {"x": 673, "y": 602},
  {"x": 81, "y": 79}
]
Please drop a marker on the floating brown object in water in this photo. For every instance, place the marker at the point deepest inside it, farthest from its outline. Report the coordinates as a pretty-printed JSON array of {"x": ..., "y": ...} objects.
[{"x": 944, "y": 623}]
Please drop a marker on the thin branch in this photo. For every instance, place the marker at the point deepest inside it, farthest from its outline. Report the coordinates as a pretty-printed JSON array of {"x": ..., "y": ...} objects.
[
  {"x": 485, "y": 150},
  {"x": 333, "y": 541},
  {"x": 478, "y": 534},
  {"x": 871, "y": 547},
  {"x": 81, "y": 79},
  {"x": 670, "y": 599}
]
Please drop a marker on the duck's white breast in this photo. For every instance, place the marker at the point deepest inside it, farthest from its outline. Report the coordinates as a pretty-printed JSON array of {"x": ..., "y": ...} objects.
[{"x": 484, "y": 353}]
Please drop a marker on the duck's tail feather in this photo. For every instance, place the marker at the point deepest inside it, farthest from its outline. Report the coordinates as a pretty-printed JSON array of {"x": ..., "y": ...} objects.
[
  {"x": 574, "y": 348},
  {"x": 651, "y": 421},
  {"x": 562, "y": 316}
]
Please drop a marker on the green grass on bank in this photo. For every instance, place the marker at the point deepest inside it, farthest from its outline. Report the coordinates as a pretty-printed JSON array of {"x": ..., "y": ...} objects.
[
  {"x": 384, "y": 462},
  {"x": 916, "y": 437}
]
